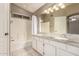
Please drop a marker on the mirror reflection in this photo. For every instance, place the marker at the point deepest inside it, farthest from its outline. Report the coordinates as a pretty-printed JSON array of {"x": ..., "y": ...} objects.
[{"x": 60, "y": 18}]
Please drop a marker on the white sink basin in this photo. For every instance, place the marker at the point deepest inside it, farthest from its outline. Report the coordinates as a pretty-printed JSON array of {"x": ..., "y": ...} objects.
[{"x": 60, "y": 38}]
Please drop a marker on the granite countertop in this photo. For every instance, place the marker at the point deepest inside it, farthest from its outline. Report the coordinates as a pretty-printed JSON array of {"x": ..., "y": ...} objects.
[{"x": 68, "y": 42}]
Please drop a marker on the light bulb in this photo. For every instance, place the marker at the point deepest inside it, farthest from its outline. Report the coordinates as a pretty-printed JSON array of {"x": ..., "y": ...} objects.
[
  {"x": 46, "y": 11},
  {"x": 55, "y": 7},
  {"x": 50, "y": 10},
  {"x": 61, "y": 5}
]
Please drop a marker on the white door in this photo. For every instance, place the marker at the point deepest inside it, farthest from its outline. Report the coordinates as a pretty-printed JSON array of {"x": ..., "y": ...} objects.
[
  {"x": 4, "y": 29},
  {"x": 18, "y": 34}
]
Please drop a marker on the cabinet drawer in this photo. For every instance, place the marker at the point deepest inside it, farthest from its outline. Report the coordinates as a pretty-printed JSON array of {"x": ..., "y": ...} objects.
[{"x": 73, "y": 49}]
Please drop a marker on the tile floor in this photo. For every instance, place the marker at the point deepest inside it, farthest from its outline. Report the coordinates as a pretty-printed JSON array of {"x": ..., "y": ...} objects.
[
  {"x": 23, "y": 52},
  {"x": 26, "y": 51}
]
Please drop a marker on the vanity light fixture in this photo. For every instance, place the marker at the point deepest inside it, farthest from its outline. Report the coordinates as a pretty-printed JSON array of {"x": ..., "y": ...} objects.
[
  {"x": 46, "y": 11},
  {"x": 50, "y": 10},
  {"x": 61, "y": 5},
  {"x": 55, "y": 7}
]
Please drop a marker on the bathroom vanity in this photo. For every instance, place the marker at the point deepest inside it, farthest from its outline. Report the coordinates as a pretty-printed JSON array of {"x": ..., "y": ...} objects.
[
  {"x": 61, "y": 22},
  {"x": 50, "y": 46}
]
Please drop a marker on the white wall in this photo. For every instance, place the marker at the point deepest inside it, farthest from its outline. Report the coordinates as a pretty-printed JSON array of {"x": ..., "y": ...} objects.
[{"x": 60, "y": 25}]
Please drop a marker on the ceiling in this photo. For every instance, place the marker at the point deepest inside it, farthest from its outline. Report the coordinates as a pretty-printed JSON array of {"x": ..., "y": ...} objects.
[{"x": 31, "y": 7}]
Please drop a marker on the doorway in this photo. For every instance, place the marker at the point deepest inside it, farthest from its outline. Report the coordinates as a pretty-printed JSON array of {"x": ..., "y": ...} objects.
[{"x": 20, "y": 33}]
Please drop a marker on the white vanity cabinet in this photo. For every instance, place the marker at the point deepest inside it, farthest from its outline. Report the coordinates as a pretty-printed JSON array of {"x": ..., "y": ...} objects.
[
  {"x": 40, "y": 46},
  {"x": 37, "y": 44},
  {"x": 49, "y": 50},
  {"x": 49, "y": 47},
  {"x": 34, "y": 43}
]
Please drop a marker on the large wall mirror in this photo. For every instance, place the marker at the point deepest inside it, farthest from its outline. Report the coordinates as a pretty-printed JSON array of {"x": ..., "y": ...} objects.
[
  {"x": 73, "y": 23},
  {"x": 61, "y": 21}
]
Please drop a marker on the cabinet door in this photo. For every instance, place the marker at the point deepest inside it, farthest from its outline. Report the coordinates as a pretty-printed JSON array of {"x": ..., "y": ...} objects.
[
  {"x": 34, "y": 44},
  {"x": 40, "y": 46},
  {"x": 49, "y": 50},
  {"x": 61, "y": 52}
]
